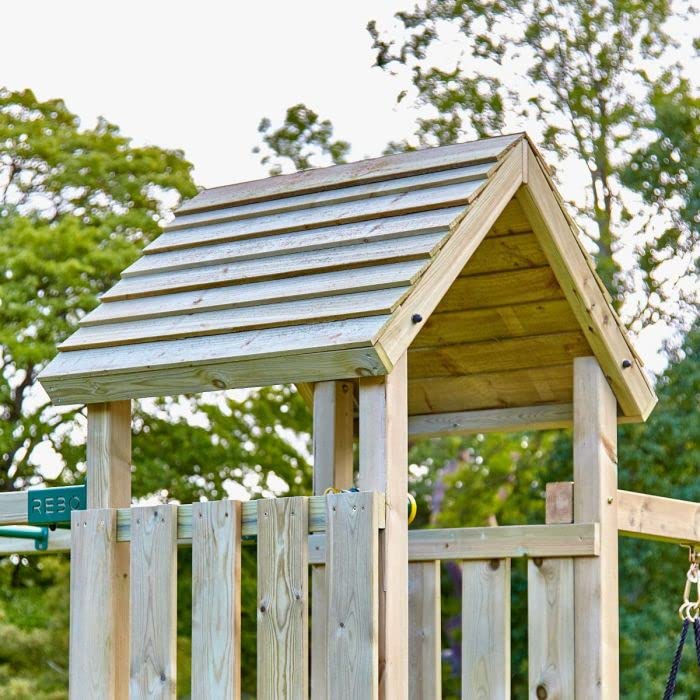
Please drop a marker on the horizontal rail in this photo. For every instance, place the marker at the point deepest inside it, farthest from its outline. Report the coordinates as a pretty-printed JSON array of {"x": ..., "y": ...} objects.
[
  {"x": 658, "y": 518},
  {"x": 505, "y": 542},
  {"x": 13, "y": 511}
]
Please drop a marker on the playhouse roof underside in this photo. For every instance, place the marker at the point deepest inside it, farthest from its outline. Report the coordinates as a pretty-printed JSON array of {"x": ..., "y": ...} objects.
[{"x": 463, "y": 256}]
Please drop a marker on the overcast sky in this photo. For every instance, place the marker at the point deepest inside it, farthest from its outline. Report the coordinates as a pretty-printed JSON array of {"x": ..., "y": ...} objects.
[{"x": 200, "y": 75}]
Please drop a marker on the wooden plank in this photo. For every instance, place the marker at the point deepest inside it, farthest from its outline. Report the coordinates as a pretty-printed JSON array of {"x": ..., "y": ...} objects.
[
  {"x": 501, "y": 355},
  {"x": 384, "y": 468},
  {"x": 333, "y": 427},
  {"x": 291, "y": 265},
  {"x": 216, "y": 600},
  {"x": 497, "y": 420},
  {"x": 596, "y": 580},
  {"x": 550, "y": 586},
  {"x": 524, "y": 387},
  {"x": 551, "y": 622},
  {"x": 153, "y": 602},
  {"x": 514, "y": 321},
  {"x": 108, "y": 479},
  {"x": 505, "y": 253},
  {"x": 433, "y": 221},
  {"x": 93, "y": 587},
  {"x": 217, "y": 348},
  {"x": 188, "y": 379},
  {"x": 283, "y": 645},
  {"x": 352, "y": 571},
  {"x": 424, "y": 643},
  {"x": 340, "y": 308},
  {"x": 585, "y": 292},
  {"x": 343, "y": 195},
  {"x": 13, "y": 507},
  {"x": 486, "y": 629},
  {"x": 400, "y": 329},
  {"x": 365, "y": 171},
  {"x": 505, "y": 542},
  {"x": 657, "y": 518},
  {"x": 397, "y": 204},
  {"x": 313, "y": 286},
  {"x": 501, "y": 289}
]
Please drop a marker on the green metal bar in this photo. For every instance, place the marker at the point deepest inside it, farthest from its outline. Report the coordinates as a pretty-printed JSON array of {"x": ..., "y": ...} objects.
[{"x": 40, "y": 535}]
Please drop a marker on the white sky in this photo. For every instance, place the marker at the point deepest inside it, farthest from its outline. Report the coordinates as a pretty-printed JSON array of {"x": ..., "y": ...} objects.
[{"x": 199, "y": 76}]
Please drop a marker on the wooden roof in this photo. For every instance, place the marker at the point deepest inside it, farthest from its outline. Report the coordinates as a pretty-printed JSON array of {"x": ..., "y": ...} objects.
[{"x": 462, "y": 255}]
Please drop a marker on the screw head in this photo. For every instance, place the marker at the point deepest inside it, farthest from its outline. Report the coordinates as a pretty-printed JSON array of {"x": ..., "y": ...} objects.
[
  {"x": 416, "y": 318},
  {"x": 626, "y": 364}
]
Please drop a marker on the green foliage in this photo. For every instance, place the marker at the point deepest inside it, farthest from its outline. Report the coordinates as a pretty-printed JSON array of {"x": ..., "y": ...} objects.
[
  {"x": 302, "y": 140},
  {"x": 595, "y": 77}
]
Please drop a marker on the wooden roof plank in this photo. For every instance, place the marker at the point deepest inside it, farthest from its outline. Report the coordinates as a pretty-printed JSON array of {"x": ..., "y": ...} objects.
[
  {"x": 287, "y": 289},
  {"x": 291, "y": 265},
  {"x": 330, "y": 215},
  {"x": 312, "y": 240},
  {"x": 350, "y": 193},
  {"x": 365, "y": 171},
  {"x": 333, "y": 308}
]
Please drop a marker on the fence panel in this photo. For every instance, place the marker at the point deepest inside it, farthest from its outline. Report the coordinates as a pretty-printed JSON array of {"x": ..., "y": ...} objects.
[
  {"x": 153, "y": 601},
  {"x": 283, "y": 644},
  {"x": 216, "y": 600},
  {"x": 486, "y": 630}
]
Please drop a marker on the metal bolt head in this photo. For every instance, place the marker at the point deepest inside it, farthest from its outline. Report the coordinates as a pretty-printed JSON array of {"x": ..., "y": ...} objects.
[
  {"x": 626, "y": 364},
  {"x": 416, "y": 318}
]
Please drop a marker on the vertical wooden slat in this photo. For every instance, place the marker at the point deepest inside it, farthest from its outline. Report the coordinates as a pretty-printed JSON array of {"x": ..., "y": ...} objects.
[
  {"x": 153, "y": 601},
  {"x": 283, "y": 599},
  {"x": 595, "y": 500},
  {"x": 352, "y": 561},
  {"x": 93, "y": 610},
  {"x": 216, "y": 600},
  {"x": 550, "y": 595},
  {"x": 384, "y": 469},
  {"x": 109, "y": 486},
  {"x": 424, "y": 642},
  {"x": 486, "y": 630},
  {"x": 333, "y": 466}
]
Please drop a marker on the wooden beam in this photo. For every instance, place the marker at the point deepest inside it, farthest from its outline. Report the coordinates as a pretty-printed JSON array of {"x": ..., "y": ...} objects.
[
  {"x": 657, "y": 518},
  {"x": 333, "y": 427},
  {"x": 596, "y": 580},
  {"x": 575, "y": 271},
  {"x": 505, "y": 542},
  {"x": 108, "y": 486},
  {"x": 384, "y": 469},
  {"x": 496, "y": 420}
]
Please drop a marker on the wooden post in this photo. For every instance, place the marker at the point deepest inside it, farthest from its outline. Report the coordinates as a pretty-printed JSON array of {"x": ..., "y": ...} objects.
[
  {"x": 595, "y": 500},
  {"x": 551, "y": 622},
  {"x": 333, "y": 466},
  {"x": 384, "y": 468},
  {"x": 108, "y": 486}
]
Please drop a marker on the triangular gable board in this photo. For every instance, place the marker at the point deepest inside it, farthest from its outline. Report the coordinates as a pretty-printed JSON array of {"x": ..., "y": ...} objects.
[{"x": 334, "y": 273}]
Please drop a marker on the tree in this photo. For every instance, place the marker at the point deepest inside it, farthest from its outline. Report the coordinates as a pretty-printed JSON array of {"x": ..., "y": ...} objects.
[
  {"x": 601, "y": 78},
  {"x": 303, "y": 139},
  {"x": 76, "y": 206}
]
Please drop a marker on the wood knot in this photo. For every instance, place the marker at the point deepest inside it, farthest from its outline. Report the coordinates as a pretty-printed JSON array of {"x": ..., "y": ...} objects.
[{"x": 541, "y": 692}]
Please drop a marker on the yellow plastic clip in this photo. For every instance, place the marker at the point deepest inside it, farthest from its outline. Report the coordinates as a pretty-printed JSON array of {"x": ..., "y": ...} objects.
[{"x": 412, "y": 508}]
